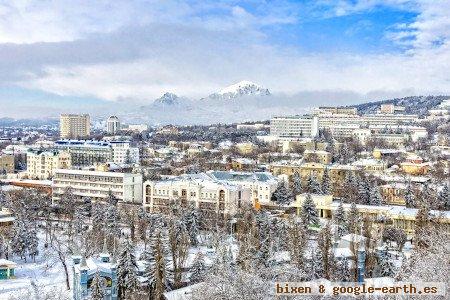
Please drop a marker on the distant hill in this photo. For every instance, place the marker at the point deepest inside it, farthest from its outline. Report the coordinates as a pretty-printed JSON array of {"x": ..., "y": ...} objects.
[{"x": 413, "y": 104}]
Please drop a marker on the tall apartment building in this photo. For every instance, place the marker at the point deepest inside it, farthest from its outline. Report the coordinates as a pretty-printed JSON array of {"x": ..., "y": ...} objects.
[
  {"x": 74, "y": 126},
  {"x": 113, "y": 125},
  {"x": 126, "y": 187},
  {"x": 87, "y": 153},
  {"x": 42, "y": 164}
]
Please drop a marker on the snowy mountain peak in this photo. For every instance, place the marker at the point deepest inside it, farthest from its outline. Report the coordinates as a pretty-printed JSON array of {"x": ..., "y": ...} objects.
[
  {"x": 168, "y": 99},
  {"x": 241, "y": 88}
]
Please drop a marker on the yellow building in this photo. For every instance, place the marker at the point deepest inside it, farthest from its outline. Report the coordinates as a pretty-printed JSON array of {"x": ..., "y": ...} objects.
[
  {"x": 393, "y": 193},
  {"x": 322, "y": 203},
  {"x": 414, "y": 168},
  {"x": 336, "y": 172},
  {"x": 41, "y": 164},
  {"x": 319, "y": 156},
  {"x": 383, "y": 153},
  {"x": 397, "y": 216},
  {"x": 6, "y": 163},
  {"x": 74, "y": 126},
  {"x": 245, "y": 148}
]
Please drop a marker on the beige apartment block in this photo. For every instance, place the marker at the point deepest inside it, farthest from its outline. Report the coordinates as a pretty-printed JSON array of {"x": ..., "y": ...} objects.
[
  {"x": 41, "y": 164},
  {"x": 74, "y": 126}
]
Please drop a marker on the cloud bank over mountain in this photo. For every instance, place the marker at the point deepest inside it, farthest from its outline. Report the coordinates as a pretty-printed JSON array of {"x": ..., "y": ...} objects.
[{"x": 134, "y": 51}]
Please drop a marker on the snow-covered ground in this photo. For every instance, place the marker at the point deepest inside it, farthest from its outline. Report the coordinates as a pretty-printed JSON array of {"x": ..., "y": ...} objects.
[{"x": 35, "y": 280}]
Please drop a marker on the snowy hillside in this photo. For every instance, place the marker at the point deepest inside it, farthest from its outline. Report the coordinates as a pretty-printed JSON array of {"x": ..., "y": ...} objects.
[
  {"x": 413, "y": 105},
  {"x": 168, "y": 99},
  {"x": 242, "y": 88}
]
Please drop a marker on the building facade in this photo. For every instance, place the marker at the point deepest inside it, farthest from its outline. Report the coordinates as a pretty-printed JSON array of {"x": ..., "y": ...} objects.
[
  {"x": 88, "y": 153},
  {"x": 126, "y": 187},
  {"x": 42, "y": 164},
  {"x": 112, "y": 125},
  {"x": 6, "y": 163},
  {"x": 74, "y": 126}
]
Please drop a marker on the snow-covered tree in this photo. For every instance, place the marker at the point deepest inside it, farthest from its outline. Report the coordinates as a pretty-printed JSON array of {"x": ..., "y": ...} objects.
[
  {"x": 375, "y": 196},
  {"x": 340, "y": 221},
  {"x": 353, "y": 219},
  {"x": 326, "y": 183},
  {"x": 198, "y": 269},
  {"x": 325, "y": 243},
  {"x": 385, "y": 267},
  {"x": 282, "y": 195},
  {"x": 296, "y": 184},
  {"x": 313, "y": 185},
  {"x": 157, "y": 271},
  {"x": 32, "y": 243},
  {"x": 364, "y": 191},
  {"x": 410, "y": 199},
  {"x": 316, "y": 264},
  {"x": 444, "y": 197},
  {"x": 98, "y": 287},
  {"x": 127, "y": 281},
  {"x": 343, "y": 273},
  {"x": 191, "y": 220},
  {"x": 19, "y": 243},
  {"x": 296, "y": 241},
  {"x": 309, "y": 213}
]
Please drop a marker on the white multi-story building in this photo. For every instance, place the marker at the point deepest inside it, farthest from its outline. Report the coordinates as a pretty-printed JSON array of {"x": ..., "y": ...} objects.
[
  {"x": 341, "y": 122},
  {"x": 87, "y": 153},
  {"x": 218, "y": 191},
  {"x": 200, "y": 190},
  {"x": 42, "y": 164},
  {"x": 126, "y": 187},
  {"x": 261, "y": 184},
  {"x": 294, "y": 126},
  {"x": 113, "y": 125},
  {"x": 124, "y": 153}
]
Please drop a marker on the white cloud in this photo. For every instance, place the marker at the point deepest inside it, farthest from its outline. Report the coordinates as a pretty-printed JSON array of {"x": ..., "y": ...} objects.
[{"x": 138, "y": 50}]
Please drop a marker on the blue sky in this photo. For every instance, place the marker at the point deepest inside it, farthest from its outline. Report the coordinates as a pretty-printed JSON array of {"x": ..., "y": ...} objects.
[{"x": 60, "y": 54}]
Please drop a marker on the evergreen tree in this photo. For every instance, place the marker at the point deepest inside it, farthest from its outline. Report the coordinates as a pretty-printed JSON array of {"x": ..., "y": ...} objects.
[
  {"x": 326, "y": 183},
  {"x": 343, "y": 273},
  {"x": 340, "y": 221},
  {"x": 385, "y": 267},
  {"x": 127, "y": 281},
  {"x": 32, "y": 243},
  {"x": 198, "y": 269},
  {"x": 364, "y": 191},
  {"x": 309, "y": 216},
  {"x": 313, "y": 185},
  {"x": 191, "y": 222},
  {"x": 296, "y": 184},
  {"x": 444, "y": 197},
  {"x": 375, "y": 196},
  {"x": 353, "y": 219},
  {"x": 98, "y": 287},
  {"x": 112, "y": 221},
  {"x": 19, "y": 241},
  {"x": 157, "y": 271},
  {"x": 282, "y": 195},
  {"x": 325, "y": 243},
  {"x": 410, "y": 200},
  {"x": 296, "y": 238},
  {"x": 316, "y": 264}
]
